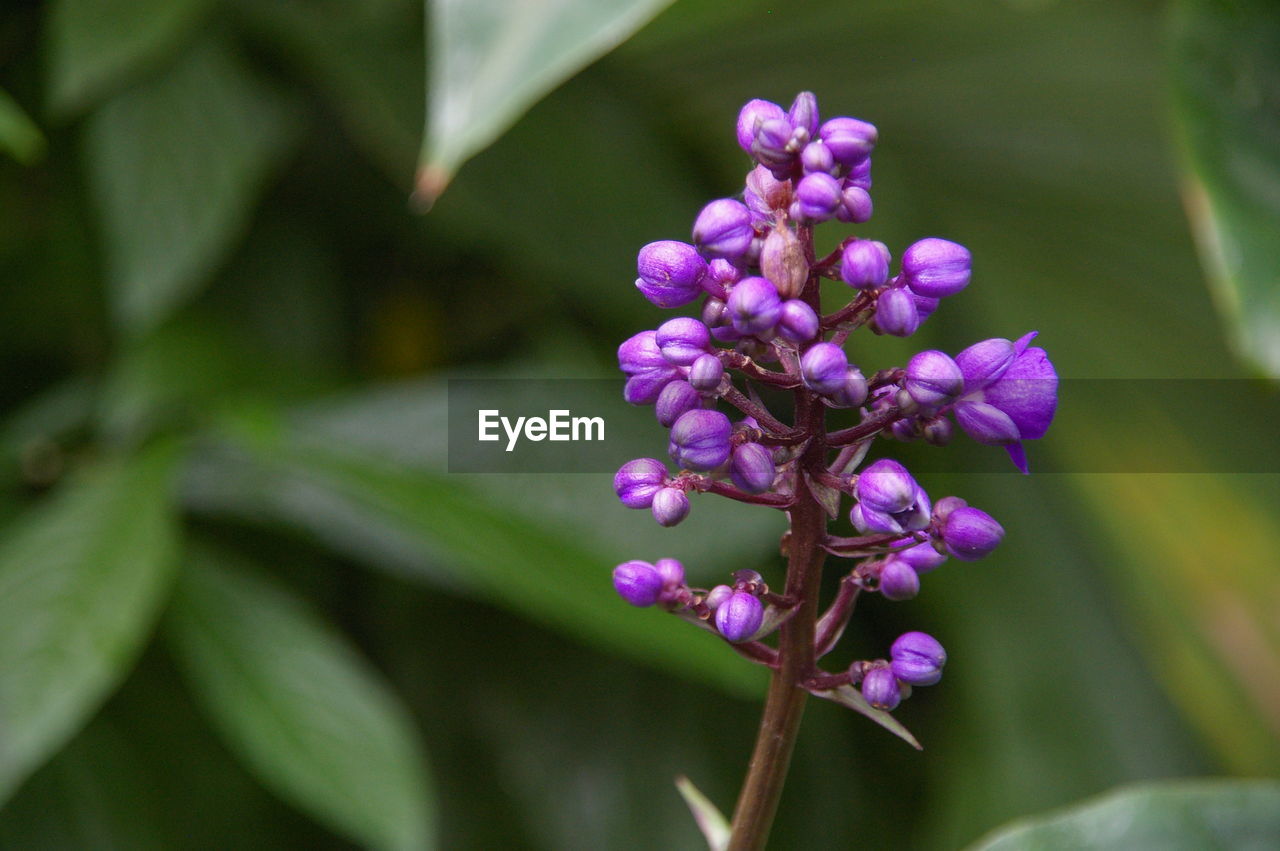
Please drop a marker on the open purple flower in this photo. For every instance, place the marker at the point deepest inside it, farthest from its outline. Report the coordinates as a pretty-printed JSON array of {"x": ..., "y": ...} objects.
[{"x": 1010, "y": 394}]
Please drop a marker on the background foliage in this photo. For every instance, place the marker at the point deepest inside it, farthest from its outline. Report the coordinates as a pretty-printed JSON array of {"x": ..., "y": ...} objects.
[{"x": 243, "y": 605}]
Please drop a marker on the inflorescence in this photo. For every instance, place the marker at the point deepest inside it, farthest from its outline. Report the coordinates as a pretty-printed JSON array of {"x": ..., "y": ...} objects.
[{"x": 752, "y": 264}]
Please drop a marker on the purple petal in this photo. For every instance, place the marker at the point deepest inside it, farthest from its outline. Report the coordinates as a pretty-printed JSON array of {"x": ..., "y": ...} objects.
[
  {"x": 1027, "y": 392},
  {"x": 986, "y": 423}
]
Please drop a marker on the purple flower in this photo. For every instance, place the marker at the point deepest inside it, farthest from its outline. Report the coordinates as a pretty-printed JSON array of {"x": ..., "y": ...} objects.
[
  {"x": 886, "y": 486},
  {"x": 936, "y": 268},
  {"x": 670, "y": 273},
  {"x": 723, "y": 229},
  {"x": 717, "y": 596},
  {"x": 922, "y": 557},
  {"x": 803, "y": 114},
  {"x": 754, "y": 306},
  {"x": 671, "y": 571},
  {"x": 797, "y": 323},
  {"x": 933, "y": 379},
  {"x": 880, "y": 689},
  {"x": 738, "y": 617},
  {"x": 753, "y": 114},
  {"x": 774, "y": 146},
  {"x": 700, "y": 440},
  {"x": 817, "y": 197},
  {"x": 705, "y": 373},
  {"x": 970, "y": 534},
  {"x": 674, "y": 400},
  {"x": 637, "y": 582},
  {"x": 896, "y": 312},
  {"x": 917, "y": 659},
  {"x": 898, "y": 580},
  {"x": 682, "y": 340},
  {"x": 865, "y": 264},
  {"x": 852, "y": 391},
  {"x": 1010, "y": 394},
  {"x": 751, "y": 468},
  {"x": 637, "y": 481},
  {"x": 855, "y": 203},
  {"x": 670, "y": 506},
  {"x": 823, "y": 367},
  {"x": 849, "y": 140},
  {"x": 817, "y": 157}
]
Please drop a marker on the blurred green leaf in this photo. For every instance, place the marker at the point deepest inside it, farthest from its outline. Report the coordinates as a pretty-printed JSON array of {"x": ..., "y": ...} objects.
[
  {"x": 94, "y": 794},
  {"x": 1178, "y": 816},
  {"x": 82, "y": 577},
  {"x": 1226, "y": 82},
  {"x": 301, "y": 706},
  {"x": 852, "y": 698},
  {"x": 539, "y": 545},
  {"x": 176, "y": 165},
  {"x": 712, "y": 823},
  {"x": 492, "y": 59},
  {"x": 18, "y": 133},
  {"x": 95, "y": 46},
  {"x": 366, "y": 56}
]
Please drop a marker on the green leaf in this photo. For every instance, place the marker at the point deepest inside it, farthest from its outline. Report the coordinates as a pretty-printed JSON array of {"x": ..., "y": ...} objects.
[
  {"x": 176, "y": 166},
  {"x": 82, "y": 577},
  {"x": 366, "y": 479},
  {"x": 712, "y": 823},
  {"x": 301, "y": 707},
  {"x": 1175, "y": 816},
  {"x": 1226, "y": 81},
  {"x": 95, "y": 46},
  {"x": 492, "y": 59},
  {"x": 94, "y": 794},
  {"x": 18, "y": 133},
  {"x": 852, "y": 698}
]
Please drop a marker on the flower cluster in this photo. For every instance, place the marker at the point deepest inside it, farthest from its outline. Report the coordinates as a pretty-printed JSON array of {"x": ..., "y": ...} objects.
[{"x": 751, "y": 264}]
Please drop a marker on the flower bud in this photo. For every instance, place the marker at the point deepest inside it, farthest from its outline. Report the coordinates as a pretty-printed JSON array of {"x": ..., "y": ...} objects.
[
  {"x": 917, "y": 659},
  {"x": 674, "y": 400},
  {"x": 637, "y": 481},
  {"x": 904, "y": 430},
  {"x": 671, "y": 571},
  {"x": 936, "y": 431},
  {"x": 754, "y": 306},
  {"x": 880, "y": 689},
  {"x": 933, "y": 379},
  {"x": 682, "y": 340},
  {"x": 860, "y": 176},
  {"x": 723, "y": 229},
  {"x": 986, "y": 423},
  {"x": 945, "y": 506},
  {"x": 751, "y": 468},
  {"x": 772, "y": 146},
  {"x": 753, "y": 114},
  {"x": 700, "y": 440},
  {"x": 824, "y": 367},
  {"x": 850, "y": 140},
  {"x": 797, "y": 323},
  {"x": 716, "y": 596},
  {"x": 865, "y": 264},
  {"x": 637, "y": 582},
  {"x": 738, "y": 617},
  {"x": 816, "y": 157},
  {"x": 983, "y": 363},
  {"x": 969, "y": 534},
  {"x": 817, "y": 198},
  {"x": 898, "y": 580},
  {"x": 644, "y": 388},
  {"x": 705, "y": 373},
  {"x": 804, "y": 113},
  {"x": 852, "y": 391},
  {"x": 783, "y": 262},
  {"x": 855, "y": 204},
  {"x": 765, "y": 194},
  {"x": 922, "y": 557},
  {"x": 886, "y": 486},
  {"x": 670, "y": 506},
  {"x": 670, "y": 273},
  {"x": 896, "y": 313},
  {"x": 722, "y": 272},
  {"x": 640, "y": 353},
  {"x": 936, "y": 268}
]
